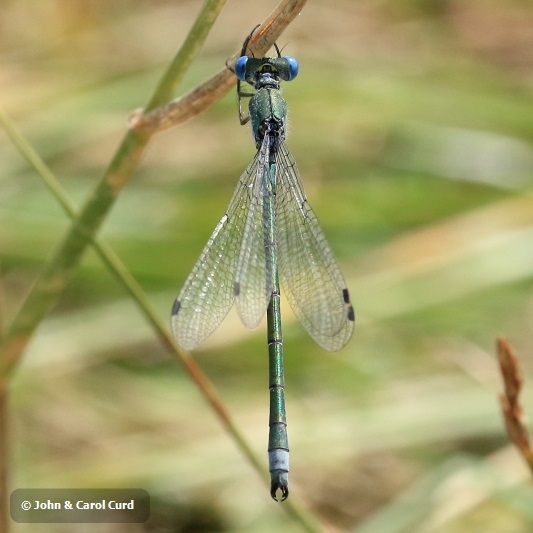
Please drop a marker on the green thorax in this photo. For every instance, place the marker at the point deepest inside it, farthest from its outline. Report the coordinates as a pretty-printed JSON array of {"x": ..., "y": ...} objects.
[{"x": 267, "y": 107}]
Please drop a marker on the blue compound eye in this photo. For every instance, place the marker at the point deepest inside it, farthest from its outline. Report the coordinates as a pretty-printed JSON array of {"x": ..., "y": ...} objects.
[
  {"x": 293, "y": 67},
  {"x": 240, "y": 68}
]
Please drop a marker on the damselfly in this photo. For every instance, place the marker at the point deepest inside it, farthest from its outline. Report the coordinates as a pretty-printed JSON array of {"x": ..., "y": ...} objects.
[{"x": 269, "y": 227}]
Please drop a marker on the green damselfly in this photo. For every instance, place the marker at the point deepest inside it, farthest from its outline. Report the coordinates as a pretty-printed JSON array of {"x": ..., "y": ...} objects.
[{"x": 269, "y": 227}]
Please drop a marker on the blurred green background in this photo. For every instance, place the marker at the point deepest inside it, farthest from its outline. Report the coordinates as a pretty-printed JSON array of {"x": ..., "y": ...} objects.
[{"x": 412, "y": 125}]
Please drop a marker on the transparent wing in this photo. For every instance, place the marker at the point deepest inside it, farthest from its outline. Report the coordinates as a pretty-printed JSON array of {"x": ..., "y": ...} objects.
[
  {"x": 253, "y": 286},
  {"x": 308, "y": 271},
  {"x": 208, "y": 292}
]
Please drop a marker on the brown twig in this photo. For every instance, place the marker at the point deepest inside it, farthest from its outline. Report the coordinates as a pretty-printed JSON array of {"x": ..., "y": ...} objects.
[{"x": 509, "y": 401}]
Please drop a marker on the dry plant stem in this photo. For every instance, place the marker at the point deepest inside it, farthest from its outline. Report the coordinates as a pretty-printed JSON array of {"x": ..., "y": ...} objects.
[{"x": 510, "y": 403}]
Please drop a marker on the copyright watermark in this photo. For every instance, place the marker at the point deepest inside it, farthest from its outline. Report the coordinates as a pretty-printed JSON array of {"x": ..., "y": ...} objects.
[
  {"x": 80, "y": 505},
  {"x": 25, "y": 505}
]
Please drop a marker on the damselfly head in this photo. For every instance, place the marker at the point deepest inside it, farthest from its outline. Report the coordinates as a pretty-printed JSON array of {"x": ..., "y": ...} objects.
[{"x": 250, "y": 68}]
